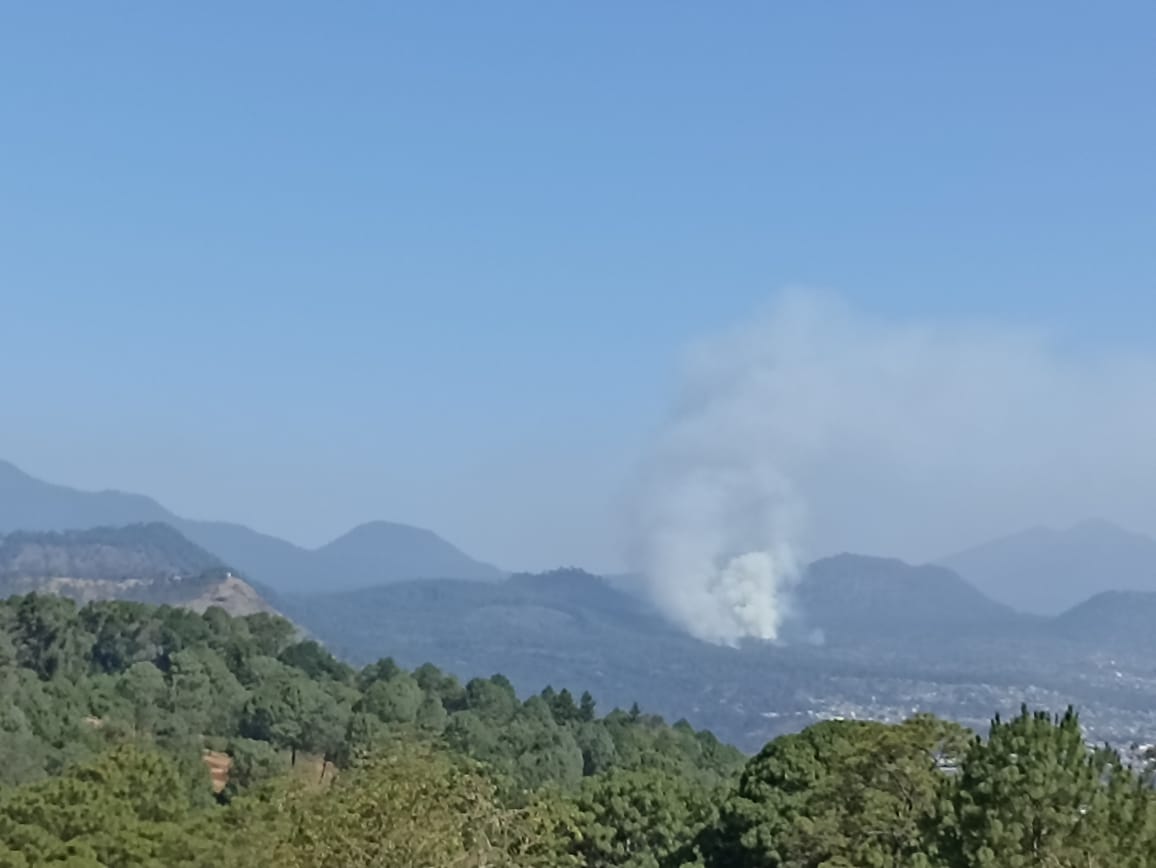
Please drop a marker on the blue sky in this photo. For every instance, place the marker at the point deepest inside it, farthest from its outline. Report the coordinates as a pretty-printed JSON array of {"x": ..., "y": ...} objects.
[{"x": 303, "y": 265}]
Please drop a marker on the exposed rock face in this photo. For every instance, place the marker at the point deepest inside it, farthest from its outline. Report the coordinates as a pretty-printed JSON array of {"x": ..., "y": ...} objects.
[
  {"x": 234, "y": 595},
  {"x": 231, "y": 593}
]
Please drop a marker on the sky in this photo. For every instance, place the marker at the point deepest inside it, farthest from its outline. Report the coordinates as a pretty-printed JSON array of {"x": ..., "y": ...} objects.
[{"x": 306, "y": 265}]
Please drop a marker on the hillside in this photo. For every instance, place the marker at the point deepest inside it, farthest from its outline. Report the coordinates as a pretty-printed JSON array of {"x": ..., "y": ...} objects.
[
  {"x": 1047, "y": 571},
  {"x": 565, "y": 614},
  {"x": 894, "y": 638},
  {"x": 567, "y": 628},
  {"x": 570, "y": 628},
  {"x": 111, "y": 713},
  {"x": 371, "y": 554},
  {"x": 139, "y": 735},
  {"x": 852, "y": 596},
  {"x": 148, "y": 563},
  {"x": 143, "y": 551},
  {"x": 1112, "y": 620}
]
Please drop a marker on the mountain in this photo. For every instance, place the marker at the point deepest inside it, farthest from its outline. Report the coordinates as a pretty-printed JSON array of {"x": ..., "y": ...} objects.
[
  {"x": 1112, "y": 620},
  {"x": 147, "y": 563},
  {"x": 888, "y": 625},
  {"x": 27, "y": 503},
  {"x": 394, "y": 552},
  {"x": 855, "y": 596},
  {"x": 368, "y": 555},
  {"x": 1048, "y": 571}
]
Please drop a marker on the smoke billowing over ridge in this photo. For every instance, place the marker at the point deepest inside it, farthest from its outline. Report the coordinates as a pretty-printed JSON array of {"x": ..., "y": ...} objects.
[{"x": 816, "y": 428}]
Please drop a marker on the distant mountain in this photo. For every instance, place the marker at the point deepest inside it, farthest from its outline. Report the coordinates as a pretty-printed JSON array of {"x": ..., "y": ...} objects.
[
  {"x": 1048, "y": 571},
  {"x": 371, "y": 554},
  {"x": 147, "y": 563},
  {"x": 395, "y": 552},
  {"x": 856, "y": 596},
  {"x": 27, "y": 503}
]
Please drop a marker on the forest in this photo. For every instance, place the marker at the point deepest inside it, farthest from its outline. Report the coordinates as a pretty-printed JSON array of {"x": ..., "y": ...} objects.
[{"x": 138, "y": 735}]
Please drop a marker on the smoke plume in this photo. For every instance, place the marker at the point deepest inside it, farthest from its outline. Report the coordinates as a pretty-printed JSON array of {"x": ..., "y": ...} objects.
[{"x": 816, "y": 428}]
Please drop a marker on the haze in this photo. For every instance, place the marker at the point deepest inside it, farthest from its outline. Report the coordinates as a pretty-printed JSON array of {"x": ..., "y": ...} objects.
[{"x": 511, "y": 278}]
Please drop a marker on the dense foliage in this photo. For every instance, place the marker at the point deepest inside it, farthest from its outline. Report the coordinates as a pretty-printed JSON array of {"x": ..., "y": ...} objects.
[{"x": 109, "y": 712}]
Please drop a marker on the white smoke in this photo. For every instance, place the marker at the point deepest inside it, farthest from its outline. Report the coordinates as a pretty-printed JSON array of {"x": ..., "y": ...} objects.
[{"x": 816, "y": 428}]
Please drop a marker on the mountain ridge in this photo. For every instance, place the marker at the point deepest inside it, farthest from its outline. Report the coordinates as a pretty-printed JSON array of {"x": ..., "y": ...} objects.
[
  {"x": 854, "y": 595},
  {"x": 1047, "y": 571},
  {"x": 28, "y": 503}
]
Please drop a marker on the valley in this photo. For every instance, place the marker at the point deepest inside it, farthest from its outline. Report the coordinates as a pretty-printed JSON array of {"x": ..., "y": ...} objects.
[{"x": 870, "y": 638}]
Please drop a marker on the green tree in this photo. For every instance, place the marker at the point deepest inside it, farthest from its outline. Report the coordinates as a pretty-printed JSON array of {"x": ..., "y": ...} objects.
[
  {"x": 365, "y": 734},
  {"x": 191, "y": 693},
  {"x": 123, "y": 633},
  {"x": 492, "y": 699},
  {"x": 586, "y": 707},
  {"x": 253, "y": 763},
  {"x": 412, "y": 807},
  {"x": 445, "y": 687},
  {"x": 840, "y": 793},
  {"x": 563, "y": 708},
  {"x": 46, "y": 636},
  {"x": 270, "y": 634},
  {"x": 383, "y": 670},
  {"x": 639, "y": 819},
  {"x": 104, "y": 811},
  {"x": 316, "y": 662},
  {"x": 537, "y": 751},
  {"x": 599, "y": 753},
  {"x": 431, "y": 715},
  {"x": 274, "y": 712},
  {"x": 23, "y": 756},
  {"x": 395, "y": 700},
  {"x": 1035, "y": 794},
  {"x": 144, "y": 690}
]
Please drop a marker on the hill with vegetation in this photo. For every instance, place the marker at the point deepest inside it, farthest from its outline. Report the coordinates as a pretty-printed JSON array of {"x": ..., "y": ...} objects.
[
  {"x": 135, "y": 735},
  {"x": 868, "y": 637},
  {"x": 567, "y": 628},
  {"x": 116, "y": 703},
  {"x": 148, "y": 563},
  {"x": 144, "y": 552},
  {"x": 851, "y": 596}
]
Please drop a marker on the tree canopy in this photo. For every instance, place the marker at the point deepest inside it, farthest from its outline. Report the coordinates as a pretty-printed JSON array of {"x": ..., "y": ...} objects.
[{"x": 110, "y": 715}]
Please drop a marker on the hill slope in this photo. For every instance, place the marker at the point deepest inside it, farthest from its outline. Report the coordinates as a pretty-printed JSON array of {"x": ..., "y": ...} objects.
[
  {"x": 1112, "y": 620},
  {"x": 855, "y": 595},
  {"x": 1048, "y": 571},
  {"x": 567, "y": 628},
  {"x": 148, "y": 563},
  {"x": 143, "y": 551},
  {"x": 371, "y": 554}
]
